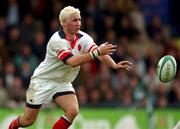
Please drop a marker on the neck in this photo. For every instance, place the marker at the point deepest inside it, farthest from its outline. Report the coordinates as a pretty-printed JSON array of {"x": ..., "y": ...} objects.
[{"x": 69, "y": 36}]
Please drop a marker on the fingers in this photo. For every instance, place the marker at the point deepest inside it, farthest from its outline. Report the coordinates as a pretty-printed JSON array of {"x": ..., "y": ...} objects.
[
  {"x": 107, "y": 49},
  {"x": 104, "y": 44},
  {"x": 126, "y": 62},
  {"x": 111, "y": 50},
  {"x": 128, "y": 68},
  {"x": 126, "y": 65},
  {"x": 111, "y": 46}
]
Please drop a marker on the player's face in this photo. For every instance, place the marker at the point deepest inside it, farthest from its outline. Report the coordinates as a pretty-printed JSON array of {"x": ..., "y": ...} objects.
[{"x": 74, "y": 24}]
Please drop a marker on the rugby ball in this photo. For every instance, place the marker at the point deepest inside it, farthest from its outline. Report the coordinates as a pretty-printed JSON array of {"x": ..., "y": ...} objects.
[{"x": 166, "y": 68}]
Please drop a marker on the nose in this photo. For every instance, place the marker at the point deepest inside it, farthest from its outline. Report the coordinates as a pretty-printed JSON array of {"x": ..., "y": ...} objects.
[{"x": 79, "y": 23}]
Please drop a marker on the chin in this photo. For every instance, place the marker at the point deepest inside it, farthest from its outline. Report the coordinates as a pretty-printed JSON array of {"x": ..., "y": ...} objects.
[{"x": 76, "y": 31}]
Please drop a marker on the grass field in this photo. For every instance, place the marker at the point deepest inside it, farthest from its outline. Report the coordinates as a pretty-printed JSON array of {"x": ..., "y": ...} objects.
[{"x": 100, "y": 118}]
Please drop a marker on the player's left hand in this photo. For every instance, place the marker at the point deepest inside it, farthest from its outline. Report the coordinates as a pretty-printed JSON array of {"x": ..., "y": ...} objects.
[{"x": 123, "y": 65}]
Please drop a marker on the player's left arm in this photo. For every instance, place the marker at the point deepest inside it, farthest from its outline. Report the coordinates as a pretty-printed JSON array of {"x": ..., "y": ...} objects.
[
  {"x": 90, "y": 46},
  {"x": 110, "y": 62}
]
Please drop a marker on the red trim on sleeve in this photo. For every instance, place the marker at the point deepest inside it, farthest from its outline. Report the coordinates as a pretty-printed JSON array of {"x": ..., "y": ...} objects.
[
  {"x": 64, "y": 55},
  {"x": 91, "y": 47},
  {"x": 94, "y": 48},
  {"x": 60, "y": 53}
]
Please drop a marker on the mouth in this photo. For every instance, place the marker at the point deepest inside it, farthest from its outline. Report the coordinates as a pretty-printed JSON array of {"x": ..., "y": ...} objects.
[{"x": 78, "y": 28}]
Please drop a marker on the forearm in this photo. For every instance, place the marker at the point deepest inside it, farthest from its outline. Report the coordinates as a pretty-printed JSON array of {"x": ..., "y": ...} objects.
[
  {"x": 106, "y": 59},
  {"x": 79, "y": 59},
  {"x": 102, "y": 51}
]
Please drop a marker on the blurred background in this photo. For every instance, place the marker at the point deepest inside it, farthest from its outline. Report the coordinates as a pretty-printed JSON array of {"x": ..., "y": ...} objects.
[{"x": 143, "y": 30}]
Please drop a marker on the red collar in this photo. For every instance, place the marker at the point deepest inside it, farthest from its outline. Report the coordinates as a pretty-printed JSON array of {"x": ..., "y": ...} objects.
[{"x": 72, "y": 42}]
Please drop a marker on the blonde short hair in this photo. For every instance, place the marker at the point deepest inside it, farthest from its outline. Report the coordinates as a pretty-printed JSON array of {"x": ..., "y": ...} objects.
[{"x": 66, "y": 13}]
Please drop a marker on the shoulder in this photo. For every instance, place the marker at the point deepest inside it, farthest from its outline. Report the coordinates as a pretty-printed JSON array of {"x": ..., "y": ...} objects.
[
  {"x": 56, "y": 40},
  {"x": 56, "y": 37},
  {"x": 83, "y": 34}
]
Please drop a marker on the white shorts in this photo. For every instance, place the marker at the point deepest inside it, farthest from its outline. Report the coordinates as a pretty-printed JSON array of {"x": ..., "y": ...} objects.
[{"x": 43, "y": 91}]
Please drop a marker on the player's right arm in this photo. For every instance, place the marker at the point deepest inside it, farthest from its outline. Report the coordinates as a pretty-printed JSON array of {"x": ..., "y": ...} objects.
[{"x": 104, "y": 49}]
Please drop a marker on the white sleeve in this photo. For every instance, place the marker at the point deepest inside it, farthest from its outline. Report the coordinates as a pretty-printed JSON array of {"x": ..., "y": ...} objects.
[
  {"x": 59, "y": 50},
  {"x": 89, "y": 44}
]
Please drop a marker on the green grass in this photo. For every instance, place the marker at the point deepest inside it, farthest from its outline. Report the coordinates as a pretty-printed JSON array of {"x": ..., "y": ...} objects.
[{"x": 164, "y": 119}]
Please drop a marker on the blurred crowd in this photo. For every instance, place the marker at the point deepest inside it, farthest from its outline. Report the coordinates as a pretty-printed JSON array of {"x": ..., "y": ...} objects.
[{"x": 26, "y": 26}]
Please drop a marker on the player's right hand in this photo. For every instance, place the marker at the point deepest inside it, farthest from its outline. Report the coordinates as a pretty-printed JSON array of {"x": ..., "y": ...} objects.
[{"x": 107, "y": 48}]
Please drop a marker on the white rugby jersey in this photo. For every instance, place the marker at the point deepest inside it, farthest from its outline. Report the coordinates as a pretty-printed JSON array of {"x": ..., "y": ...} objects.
[{"x": 58, "y": 50}]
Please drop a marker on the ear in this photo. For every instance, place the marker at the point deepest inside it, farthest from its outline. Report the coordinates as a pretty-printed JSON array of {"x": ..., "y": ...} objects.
[{"x": 65, "y": 23}]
